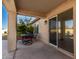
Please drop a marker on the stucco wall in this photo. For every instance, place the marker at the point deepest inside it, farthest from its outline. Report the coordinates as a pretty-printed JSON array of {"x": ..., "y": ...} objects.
[{"x": 44, "y": 28}]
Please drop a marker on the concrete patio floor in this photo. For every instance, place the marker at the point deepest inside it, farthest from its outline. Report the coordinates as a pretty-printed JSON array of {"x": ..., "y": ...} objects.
[
  {"x": 38, "y": 50},
  {"x": 5, "y": 53}
]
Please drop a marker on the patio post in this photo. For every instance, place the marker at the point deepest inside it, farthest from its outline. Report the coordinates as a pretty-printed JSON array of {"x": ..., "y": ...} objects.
[{"x": 11, "y": 31}]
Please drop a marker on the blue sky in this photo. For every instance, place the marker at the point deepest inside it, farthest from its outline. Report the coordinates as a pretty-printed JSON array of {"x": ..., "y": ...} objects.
[{"x": 4, "y": 18}]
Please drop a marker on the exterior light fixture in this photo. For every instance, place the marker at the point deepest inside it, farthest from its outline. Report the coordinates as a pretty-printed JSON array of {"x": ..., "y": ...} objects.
[{"x": 45, "y": 21}]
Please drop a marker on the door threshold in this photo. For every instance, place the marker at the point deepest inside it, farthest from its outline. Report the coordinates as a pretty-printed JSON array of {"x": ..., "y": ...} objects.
[
  {"x": 53, "y": 45},
  {"x": 62, "y": 50},
  {"x": 66, "y": 52}
]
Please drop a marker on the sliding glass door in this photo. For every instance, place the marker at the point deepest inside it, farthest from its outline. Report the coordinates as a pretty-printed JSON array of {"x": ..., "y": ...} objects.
[
  {"x": 61, "y": 31},
  {"x": 65, "y": 32},
  {"x": 53, "y": 31}
]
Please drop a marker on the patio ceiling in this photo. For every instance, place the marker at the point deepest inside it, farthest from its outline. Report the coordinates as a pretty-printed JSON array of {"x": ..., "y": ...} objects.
[{"x": 36, "y": 7}]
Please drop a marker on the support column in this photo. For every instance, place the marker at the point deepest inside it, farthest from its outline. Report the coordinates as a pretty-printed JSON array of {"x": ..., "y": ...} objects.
[{"x": 11, "y": 30}]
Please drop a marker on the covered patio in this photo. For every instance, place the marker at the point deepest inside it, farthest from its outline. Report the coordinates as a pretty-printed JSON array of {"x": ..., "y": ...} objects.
[{"x": 45, "y": 10}]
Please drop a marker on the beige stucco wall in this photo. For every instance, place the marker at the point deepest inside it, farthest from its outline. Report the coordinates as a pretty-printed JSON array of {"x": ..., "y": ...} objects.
[{"x": 44, "y": 28}]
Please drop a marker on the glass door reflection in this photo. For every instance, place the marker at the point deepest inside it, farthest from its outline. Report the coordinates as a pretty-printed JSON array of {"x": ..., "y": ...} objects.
[
  {"x": 65, "y": 31},
  {"x": 61, "y": 31}
]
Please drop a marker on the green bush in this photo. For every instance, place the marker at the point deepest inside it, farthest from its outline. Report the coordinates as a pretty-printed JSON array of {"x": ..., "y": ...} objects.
[
  {"x": 29, "y": 28},
  {"x": 23, "y": 28}
]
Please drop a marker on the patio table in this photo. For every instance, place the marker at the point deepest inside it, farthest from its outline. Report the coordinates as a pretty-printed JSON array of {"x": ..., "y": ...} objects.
[{"x": 27, "y": 38}]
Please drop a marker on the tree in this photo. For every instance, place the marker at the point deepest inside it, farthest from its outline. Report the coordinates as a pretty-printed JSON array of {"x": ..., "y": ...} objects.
[
  {"x": 21, "y": 28},
  {"x": 29, "y": 28}
]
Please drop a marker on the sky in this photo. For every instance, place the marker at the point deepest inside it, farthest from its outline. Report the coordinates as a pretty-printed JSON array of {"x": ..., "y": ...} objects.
[
  {"x": 22, "y": 17},
  {"x": 4, "y": 18}
]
